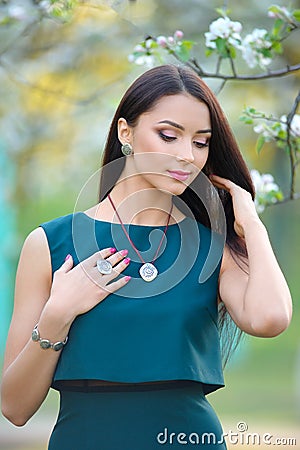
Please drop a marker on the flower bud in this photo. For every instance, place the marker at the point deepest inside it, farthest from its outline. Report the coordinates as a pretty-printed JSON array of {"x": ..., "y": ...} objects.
[
  {"x": 162, "y": 41},
  {"x": 178, "y": 34}
]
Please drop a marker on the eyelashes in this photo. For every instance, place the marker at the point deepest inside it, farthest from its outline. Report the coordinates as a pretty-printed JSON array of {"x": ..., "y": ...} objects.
[{"x": 167, "y": 138}]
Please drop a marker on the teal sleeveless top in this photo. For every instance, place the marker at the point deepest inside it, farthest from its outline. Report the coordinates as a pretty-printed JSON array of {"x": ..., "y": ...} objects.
[{"x": 166, "y": 329}]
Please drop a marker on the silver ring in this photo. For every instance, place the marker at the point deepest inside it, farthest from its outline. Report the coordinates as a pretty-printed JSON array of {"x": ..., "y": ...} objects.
[{"x": 104, "y": 266}]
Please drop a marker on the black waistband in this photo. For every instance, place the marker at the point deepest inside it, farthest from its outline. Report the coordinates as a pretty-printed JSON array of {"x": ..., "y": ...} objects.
[{"x": 86, "y": 387}]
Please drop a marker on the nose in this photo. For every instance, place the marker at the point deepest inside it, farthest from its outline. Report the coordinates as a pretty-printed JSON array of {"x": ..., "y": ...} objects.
[{"x": 185, "y": 153}]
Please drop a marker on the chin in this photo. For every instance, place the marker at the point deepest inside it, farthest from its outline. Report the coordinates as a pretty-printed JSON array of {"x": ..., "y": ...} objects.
[{"x": 174, "y": 188}]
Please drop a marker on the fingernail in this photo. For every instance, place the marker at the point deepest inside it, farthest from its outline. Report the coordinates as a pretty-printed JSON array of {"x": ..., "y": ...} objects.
[
  {"x": 113, "y": 250},
  {"x": 127, "y": 278},
  {"x": 67, "y": 257},
  {"x": 126, "y": 260},
  {"x": 124, "y": 252}
]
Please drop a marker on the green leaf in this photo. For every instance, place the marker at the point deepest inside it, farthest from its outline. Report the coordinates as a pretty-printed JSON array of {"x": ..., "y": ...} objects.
[
  {"x": 232, "y": 52},
  {"x": 282, "y": 134},
  {"x": 274, "y": 9},
  {"x": 247, "y": 120},
  {"x": 260, "y": 143},
  {"x": 183, "y": 52},
  {"x": 188, "y": 44},
  {"x": 223, "y": 12},
  {"x": 278, "y": 25},
  {"x": 252, "y": 111},
  {"x": 277, "y": 47},
  {"x": 296, "y": 14},
  {"x": 209, "y": 52},
  {"x": 153, "y": 44},
  {"x": 6, "y": 21},
  {"x": 222, "y": 47},
  {"x": 266, "y": 52}
]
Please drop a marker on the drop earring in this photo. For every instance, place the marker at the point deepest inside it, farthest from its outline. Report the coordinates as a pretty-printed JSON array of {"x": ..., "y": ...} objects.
[{"x": 127, "y": 149}]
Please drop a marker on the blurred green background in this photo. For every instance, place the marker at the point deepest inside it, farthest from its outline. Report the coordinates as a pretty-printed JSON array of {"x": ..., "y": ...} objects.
[{"x": 59, "y": 86}]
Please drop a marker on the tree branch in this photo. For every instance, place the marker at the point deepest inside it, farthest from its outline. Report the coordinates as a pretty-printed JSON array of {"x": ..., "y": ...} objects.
[
  {"x": 218, "y": 67},
  {"x": 285, "y": 200},
  {"x": 290, "y": 145},
  {"x": 232, "y": 67},
  {"x": 260, "y": 76},
  {"x": 20, "y": 35},
  {"x": 60, "y": 95},
  {"x": 222, "y": 85}
]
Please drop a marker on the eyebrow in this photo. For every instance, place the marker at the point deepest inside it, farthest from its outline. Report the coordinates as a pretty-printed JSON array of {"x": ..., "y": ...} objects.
[{"x": 176, "y": 125}]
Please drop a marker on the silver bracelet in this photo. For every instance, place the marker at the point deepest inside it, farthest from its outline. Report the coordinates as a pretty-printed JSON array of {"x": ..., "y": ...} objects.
[{"x": 45, "y": 343}]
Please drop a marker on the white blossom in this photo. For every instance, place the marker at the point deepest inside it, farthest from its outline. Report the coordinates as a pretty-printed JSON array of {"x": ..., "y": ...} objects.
[
  {"x": 295, "y": 124},
  {"x": 264, "y": 184},
  {"x": 145, "y": 60},
  {"x": 148, "y": 43},
  {"x": 252, "y": 45},
  {"x": 281, "y": 13},
  {"x": 210, "y": 40},
  {"x": 139, "y": 49},
  {"x": 223, "y": 28},
  {"x": 131, "y": 58},
  {"x": 17, "y": 12},
  {"x": 262, "y": 128},
  {"x": 44, "y": 4}
]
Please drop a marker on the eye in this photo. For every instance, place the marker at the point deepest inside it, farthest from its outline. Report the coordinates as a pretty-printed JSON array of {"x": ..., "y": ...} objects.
[
  {"x": 201, "y": 144},
  {"x": 166, "y": 137}
]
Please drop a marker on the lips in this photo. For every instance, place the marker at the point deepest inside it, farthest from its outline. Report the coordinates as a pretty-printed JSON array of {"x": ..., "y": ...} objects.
[{"x": 179, "y": 174}]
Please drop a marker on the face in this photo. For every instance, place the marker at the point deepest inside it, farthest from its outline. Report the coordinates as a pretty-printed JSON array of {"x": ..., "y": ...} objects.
[{"x": 170, "y": 143}]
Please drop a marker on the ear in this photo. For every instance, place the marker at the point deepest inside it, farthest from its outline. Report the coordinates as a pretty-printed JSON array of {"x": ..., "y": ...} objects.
[{"x": 124, "y": 131}]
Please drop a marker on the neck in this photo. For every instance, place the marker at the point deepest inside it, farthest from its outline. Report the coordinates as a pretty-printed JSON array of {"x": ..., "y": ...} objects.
[{"x": 139, "y": 203}]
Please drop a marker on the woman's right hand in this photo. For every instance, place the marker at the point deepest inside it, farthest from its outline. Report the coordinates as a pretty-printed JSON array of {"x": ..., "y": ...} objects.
[{"x": 76, "y": 290}]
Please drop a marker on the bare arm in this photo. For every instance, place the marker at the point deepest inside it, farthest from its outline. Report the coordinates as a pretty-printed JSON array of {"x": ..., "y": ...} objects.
[
  {"x": 28, "y": 369},
  {"x": 259, "y": 302}
]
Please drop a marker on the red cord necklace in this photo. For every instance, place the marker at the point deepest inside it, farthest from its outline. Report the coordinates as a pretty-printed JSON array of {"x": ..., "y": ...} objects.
[{"x": 147, "y": 271}]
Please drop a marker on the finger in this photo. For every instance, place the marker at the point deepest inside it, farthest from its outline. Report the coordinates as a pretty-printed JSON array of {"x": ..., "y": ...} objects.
[
  {"x": 117, "y": 257},
  {"x": 222, "y": 183},
  {"x": 91, "y": 261},
  {"x": 116, "y": 285},
  {"x": 118, "y": 269},
  {"x": 67, "y": 265}
]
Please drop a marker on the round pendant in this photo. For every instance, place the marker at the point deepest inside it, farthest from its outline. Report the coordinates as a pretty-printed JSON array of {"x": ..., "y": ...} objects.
[{"x": 148, "y": 272}]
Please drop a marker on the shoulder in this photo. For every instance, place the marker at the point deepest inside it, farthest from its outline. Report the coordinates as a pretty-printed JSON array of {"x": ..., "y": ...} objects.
[
  {"x": 34, "y": 242},
  {"x": 58, "y": 221},
  {"x": 36, "y": 246},
  {"x": 34, "y": 261}
]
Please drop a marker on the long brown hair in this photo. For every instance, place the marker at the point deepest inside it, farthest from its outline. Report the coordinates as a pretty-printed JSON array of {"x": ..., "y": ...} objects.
[{"x": 224, "y": 159}]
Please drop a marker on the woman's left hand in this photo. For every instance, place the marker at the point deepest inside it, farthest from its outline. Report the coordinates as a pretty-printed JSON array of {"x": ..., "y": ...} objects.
[
  {"x": 243, "y": 205},
  {"x": 258, "y": 298}
]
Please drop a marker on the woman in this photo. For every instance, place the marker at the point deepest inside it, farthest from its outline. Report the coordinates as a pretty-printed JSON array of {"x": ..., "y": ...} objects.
[{"x": 129, "y": 336}]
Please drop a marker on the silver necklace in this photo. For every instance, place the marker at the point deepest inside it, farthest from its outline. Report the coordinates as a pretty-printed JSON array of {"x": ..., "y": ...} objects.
[{"x": 147, "y": 271}]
